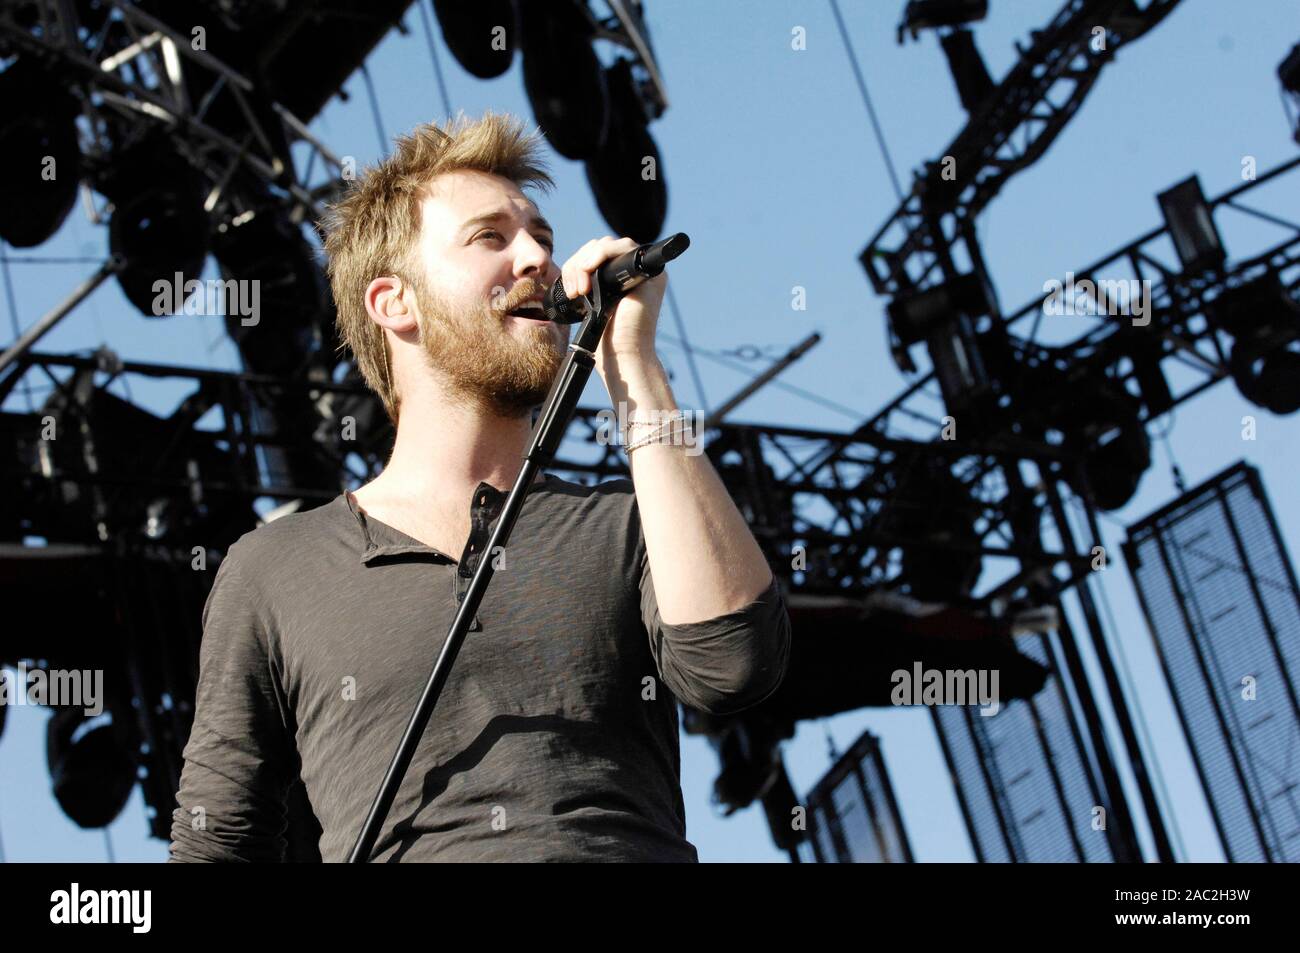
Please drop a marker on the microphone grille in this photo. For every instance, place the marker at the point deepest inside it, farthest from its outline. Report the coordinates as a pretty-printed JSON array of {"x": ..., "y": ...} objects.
[{"x": 556, "y": 305}]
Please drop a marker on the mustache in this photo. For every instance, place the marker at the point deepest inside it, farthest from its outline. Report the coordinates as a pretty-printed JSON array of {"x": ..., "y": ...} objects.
[{"x": 525, "y": 290}]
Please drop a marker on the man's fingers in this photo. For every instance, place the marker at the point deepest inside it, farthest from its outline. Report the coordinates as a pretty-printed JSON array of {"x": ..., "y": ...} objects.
[
  {"x": 606, "y": 249},
  {"x": 572, "y": 273},
  {"x": 577, "y": 271}
]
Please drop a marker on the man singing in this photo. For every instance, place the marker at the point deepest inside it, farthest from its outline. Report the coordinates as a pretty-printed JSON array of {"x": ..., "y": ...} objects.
[{"x": 556, "y": 735}]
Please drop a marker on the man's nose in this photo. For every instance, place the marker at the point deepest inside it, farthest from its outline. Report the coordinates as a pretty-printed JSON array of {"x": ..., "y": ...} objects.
[
  {"x": 545, "y": 275},
  {"x": 533, "y": 260}
]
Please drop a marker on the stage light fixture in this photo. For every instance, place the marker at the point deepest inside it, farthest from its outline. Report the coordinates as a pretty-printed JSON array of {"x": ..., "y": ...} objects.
[
  {"x": 934, "y": 510},
  {"x": 1191, "y": 227},
  {"x": 268, "y": 265},
  {"x": 563, "y": 77},
  {"x": 945, "y": 317},
  {"x": 1264, "y": 321},
  {"x": 627, "y": 176},
  {"x": 1267, "y": 376},
  {"x": 92, "y": 768},
  {"x": 1288, "y": 72},
  {"x": 1103, "y": 430},
  {"x": 40, "y": 158},
  {"x": 482, "y": 35},
  {"x": 921, "y": 15},
  {"x": 1279, "y": 381},
  {"x": 1115, "y": 467},
  {"x": 914, "y": 315},
  {"x": 159, "y": 227}
]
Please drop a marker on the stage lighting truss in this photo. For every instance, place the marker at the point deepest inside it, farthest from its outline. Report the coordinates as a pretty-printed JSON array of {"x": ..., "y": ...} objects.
[
  {"x": 133, "y": 73},
  {"x": 1193, "y": 321},
  {"x": 1135, "y": 322},
  {"x": 1141, "y": 320},
  {"x": 190, "y": 158},
  {"x": 1012, "y": 127},
  {"x": 212, "y": 475}
]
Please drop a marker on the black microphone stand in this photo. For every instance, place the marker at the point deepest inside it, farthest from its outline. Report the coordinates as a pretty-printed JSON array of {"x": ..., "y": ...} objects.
[{"x": 549, "y": 430}]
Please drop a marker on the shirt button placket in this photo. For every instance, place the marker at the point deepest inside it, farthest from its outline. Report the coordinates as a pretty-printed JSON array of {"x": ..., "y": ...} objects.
[
  {"x": 481, "y": 513},
  {"x": 458, "y": 590}
]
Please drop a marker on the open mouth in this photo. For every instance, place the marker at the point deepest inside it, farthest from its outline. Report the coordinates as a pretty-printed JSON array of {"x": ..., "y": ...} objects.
[{"x": 529, "y": 309}]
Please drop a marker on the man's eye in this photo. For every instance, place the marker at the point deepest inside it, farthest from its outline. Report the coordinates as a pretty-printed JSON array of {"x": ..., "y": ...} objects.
[{"x": 544, "y": 241}]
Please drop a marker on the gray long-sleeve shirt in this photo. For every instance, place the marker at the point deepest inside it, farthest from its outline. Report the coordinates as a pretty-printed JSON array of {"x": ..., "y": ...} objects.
[{"x": 555, "y": 737}]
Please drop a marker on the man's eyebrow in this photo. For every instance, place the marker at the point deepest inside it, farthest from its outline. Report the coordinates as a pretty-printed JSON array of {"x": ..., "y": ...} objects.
[{"x": 487, "y": 218}]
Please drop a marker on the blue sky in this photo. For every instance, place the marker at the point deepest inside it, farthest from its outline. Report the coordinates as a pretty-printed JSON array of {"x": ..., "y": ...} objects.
[{"x": 773, "y": 171}]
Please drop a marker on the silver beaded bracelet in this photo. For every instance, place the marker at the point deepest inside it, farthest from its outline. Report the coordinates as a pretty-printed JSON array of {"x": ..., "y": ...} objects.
[
  {"x": 657, "y": 435},
  {"x": 660, "y": 419}
]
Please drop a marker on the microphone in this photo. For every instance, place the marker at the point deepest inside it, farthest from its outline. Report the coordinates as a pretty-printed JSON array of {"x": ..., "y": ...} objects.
[{"x": 615, "y": 278}]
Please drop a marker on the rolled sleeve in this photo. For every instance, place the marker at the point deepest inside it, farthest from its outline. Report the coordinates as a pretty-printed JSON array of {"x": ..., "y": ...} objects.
[
  {"x": 239, "y": 759},
  {"x": 725, "y": 664}
]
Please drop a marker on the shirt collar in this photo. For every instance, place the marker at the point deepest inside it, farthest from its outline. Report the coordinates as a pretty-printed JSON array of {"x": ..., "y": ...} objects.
[{"x": 379, "y": 539}]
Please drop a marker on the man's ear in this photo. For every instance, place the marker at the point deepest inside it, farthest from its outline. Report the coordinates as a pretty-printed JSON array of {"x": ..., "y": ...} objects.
[{"x": 388, "y": 302}]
